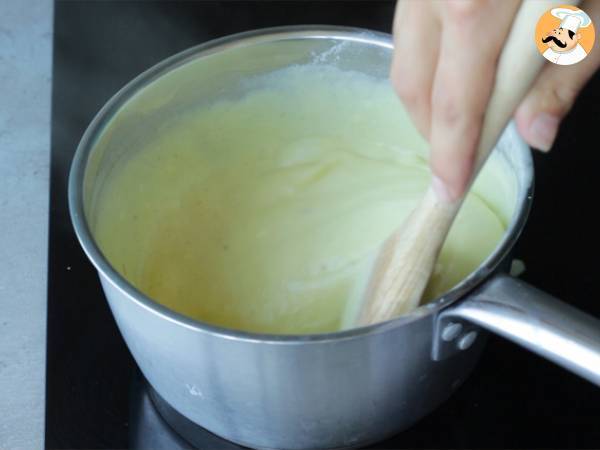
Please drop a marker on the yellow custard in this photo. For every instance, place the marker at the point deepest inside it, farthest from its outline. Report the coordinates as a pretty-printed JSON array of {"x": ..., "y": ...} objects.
[{"x": 264, "y": 213}]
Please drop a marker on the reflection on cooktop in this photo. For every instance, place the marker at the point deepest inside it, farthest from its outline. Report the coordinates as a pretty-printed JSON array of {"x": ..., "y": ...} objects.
[
  {"x": 164, "y": 430},
  {"x": 147, "y": 429}
]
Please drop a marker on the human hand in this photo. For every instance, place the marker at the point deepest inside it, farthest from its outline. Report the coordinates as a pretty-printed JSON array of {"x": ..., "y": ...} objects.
[{"x": 444, "y": 67}]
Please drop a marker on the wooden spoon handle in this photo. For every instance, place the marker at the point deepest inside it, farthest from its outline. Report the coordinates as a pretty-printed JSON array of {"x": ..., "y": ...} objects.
[
  {"x": 519, "y": 64},
  {"x": 405, "y": 262},
  {"x": 407, "y": 259}
]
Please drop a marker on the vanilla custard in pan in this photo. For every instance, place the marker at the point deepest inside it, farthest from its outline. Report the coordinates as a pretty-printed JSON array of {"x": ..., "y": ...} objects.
[{"x": 264, "y": 212}]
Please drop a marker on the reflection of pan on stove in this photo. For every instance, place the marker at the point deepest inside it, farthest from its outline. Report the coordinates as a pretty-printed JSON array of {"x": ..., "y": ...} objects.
[{"x": 154, "y": 424}]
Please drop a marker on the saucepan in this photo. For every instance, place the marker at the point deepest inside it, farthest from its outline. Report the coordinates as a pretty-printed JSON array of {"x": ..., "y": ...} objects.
[{"x": 342, "y": 389}]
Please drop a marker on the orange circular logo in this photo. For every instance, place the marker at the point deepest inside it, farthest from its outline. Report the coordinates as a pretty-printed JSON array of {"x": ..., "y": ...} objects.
[{"x": 565, "y": 35}]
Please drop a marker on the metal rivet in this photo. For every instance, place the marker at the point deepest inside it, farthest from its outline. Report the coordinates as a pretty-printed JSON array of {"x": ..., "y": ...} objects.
[
  {"x": 451, "y": 331},
  {"x": 467, "y": 340}
]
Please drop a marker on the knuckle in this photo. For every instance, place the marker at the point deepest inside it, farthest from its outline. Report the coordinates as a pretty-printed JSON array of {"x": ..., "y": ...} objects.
[
  {"x": 554, "y": 97},
  {"x": 460, "y": 103},
  {"x": 407, "y": 91},
  {"x": 447, "y": 110},
  {"x": 464, "y": 10},
  {"x": 410, "y": 89},
  {"x": 564, "y": 96}
]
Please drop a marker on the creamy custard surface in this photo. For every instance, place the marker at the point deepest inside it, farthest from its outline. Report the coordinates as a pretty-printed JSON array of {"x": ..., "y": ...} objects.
[{"x": 264, "y": 213}]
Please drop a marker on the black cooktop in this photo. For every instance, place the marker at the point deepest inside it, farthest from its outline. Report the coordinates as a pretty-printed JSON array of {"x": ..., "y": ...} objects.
[{"x": 95, "y": 397}]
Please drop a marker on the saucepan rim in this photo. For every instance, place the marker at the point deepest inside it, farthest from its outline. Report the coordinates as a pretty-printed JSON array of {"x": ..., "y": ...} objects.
[{"x": 239, "y": 40}]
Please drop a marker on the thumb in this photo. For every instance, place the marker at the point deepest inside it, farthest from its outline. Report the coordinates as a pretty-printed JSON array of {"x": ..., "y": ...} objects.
[{"x": 550, "y": 99}]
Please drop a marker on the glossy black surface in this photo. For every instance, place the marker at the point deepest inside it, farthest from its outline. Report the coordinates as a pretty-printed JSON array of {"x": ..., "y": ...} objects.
[{"x": 513, "y": 399}]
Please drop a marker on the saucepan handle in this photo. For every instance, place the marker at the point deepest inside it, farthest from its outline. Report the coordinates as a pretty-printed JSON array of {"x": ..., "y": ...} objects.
[{"x": 535, "y": 320}]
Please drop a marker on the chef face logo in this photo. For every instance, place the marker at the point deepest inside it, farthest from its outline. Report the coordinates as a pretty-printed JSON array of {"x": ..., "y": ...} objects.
[
  {"x": 561, "y": 40},
  {"x": 565, "y": 35}
]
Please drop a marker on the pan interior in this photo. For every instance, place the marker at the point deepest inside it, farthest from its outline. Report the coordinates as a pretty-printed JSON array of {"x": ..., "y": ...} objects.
[{"x": 213, "y": 203}]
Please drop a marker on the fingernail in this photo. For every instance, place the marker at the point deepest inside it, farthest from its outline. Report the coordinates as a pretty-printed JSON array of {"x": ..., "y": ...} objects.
[
  {"x": 542, "y": 131},
  {"x": 441, "y": 190}
]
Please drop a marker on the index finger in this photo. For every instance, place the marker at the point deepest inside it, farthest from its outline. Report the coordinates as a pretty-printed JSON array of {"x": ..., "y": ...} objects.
[{"x": 473, "y": 33}]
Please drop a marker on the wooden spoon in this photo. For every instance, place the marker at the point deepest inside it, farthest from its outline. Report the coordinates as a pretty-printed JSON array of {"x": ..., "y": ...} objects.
[{"x": 408, "y": 257}]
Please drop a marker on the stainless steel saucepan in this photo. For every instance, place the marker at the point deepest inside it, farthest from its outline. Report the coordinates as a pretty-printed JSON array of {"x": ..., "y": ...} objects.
[{"x": 343, "y": 389}]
